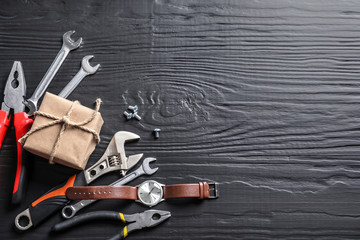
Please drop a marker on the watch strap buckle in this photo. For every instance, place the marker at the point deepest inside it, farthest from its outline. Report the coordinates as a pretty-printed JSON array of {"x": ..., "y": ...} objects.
[{"x": 213, "y": 190}]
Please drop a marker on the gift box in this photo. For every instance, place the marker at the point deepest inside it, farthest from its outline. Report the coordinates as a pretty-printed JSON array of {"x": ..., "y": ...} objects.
[{"x": 64, "y": 132}]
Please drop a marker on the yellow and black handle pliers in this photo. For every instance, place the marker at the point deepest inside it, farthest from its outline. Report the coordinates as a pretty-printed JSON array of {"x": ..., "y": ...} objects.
[{"x": 149, "y": 218}]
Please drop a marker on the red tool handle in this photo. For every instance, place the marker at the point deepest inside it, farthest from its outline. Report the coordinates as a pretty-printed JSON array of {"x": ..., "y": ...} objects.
[
  {"x": 4, "y": 123},
  {"x": 22, "y": 123}
]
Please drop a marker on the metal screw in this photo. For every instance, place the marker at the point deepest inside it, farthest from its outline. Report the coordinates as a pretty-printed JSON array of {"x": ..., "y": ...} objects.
[
  {"x": 133, "y": 108},
  {"x": 157, "y": 132},
  {"x": 128, "y": 115},
  {"x": 135, "y": 115}
]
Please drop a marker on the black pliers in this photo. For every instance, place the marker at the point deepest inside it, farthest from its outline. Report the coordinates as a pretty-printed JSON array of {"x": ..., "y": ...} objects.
[{"x": 149, "y": 218}]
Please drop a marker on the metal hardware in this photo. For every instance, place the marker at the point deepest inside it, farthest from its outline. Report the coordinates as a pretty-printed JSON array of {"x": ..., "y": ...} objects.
[
  {"x": 134, "y": 114},
  {"x": 213, "y": 190},
  {"x": 128, "y": 115},
  {"x": 137, "y": 116},
  {"x": 157, "y": 132},
  {"x": 133, "y": 108}
]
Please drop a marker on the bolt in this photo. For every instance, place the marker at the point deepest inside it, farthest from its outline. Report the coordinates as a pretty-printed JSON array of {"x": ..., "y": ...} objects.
[
  {"x": 135, "y": 115},
  {"x": 133, "y": 108},
  {"x": 157, "y": 132},
  {"x": 128, "y": 115}
]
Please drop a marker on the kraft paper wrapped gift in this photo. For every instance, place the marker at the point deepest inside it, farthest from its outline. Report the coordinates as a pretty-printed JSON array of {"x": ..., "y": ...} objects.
[{"x": 75, "y": 144}]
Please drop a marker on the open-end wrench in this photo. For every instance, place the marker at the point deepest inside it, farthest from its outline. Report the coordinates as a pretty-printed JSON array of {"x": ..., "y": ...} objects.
[
  {"x": 86, "y": 69},
  {"x": 68, "y": 45},
  {"x": 70, "y": 210}
]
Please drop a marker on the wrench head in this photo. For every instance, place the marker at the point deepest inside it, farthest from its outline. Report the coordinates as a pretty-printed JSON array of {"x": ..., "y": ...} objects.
[
  {"x": 24, "y": 215},
  {"x": 68, "y": 42},
  {"x": 85, "y": 65},
  {"x": 114, "y": 157},
  {"x": 31, "y": 106},
  {"x": 146, "y": 166}
]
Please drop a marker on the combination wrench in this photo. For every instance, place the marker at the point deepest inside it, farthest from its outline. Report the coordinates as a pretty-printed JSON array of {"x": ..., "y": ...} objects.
[
  {"x": 70, "y": 210},
  {"x": 67, "y": 46},
  {"x": 84, "y": 71}
]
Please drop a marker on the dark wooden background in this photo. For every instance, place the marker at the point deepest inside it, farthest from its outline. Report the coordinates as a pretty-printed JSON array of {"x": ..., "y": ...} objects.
[{"x": 260, "y": 96}]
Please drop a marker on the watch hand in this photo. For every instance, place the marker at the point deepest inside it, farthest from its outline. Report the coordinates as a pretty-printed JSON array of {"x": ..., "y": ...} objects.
[{"x": 151, "y": 191}]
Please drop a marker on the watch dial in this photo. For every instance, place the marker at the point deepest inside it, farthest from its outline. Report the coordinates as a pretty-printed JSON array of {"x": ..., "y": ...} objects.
[{"x": 150, "y": 193}]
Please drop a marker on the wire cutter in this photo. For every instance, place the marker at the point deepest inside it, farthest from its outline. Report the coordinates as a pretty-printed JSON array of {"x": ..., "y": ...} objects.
[
  {"x": 149, "y": 218},
  {"x": 14, "y": 94}
]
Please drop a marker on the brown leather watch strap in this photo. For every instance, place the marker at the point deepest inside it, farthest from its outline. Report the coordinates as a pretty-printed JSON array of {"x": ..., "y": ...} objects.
[
  {"x": 199, "y": 190},
  {"x": 102, "y": 192}
]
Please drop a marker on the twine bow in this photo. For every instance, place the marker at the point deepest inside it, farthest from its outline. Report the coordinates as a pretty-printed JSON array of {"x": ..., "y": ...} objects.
[{"x": 65, "y": 121}]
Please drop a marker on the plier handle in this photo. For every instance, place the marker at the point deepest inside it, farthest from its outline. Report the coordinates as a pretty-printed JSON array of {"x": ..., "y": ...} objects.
[
  {"x": 14, "y": 94},
  {"x": 149, "y": 218}
]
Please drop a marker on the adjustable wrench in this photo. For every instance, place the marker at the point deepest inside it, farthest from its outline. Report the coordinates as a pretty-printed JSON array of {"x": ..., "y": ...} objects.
[
  {"x": 70, "y": 210},
  {"x": 85, "y": 70},
  {"x": 68, "y": 45}
]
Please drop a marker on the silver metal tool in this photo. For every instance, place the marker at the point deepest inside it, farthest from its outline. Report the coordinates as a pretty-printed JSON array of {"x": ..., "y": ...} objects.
[
  {"x": 70, "y": 210},
  {"x": 85, "y": 70},
  {"x": 114, "y": 157},
  {"x": 68, "y": 45}
]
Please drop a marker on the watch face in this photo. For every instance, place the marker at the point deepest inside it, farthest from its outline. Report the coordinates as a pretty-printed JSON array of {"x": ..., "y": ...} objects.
[{"x": 150, "y": 193}]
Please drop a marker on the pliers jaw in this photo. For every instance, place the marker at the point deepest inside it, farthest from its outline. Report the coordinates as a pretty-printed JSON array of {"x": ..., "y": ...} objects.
[
  {"x": 15, "y": 89},
  {"x": 149, "y": 218}
]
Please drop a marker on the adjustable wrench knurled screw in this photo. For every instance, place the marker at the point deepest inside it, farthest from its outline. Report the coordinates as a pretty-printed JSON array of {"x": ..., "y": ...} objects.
[{"x": 68, "y": 45}]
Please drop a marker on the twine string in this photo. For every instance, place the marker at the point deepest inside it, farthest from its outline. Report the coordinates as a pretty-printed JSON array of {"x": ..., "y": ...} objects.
[{"x": 65, "y": 121}]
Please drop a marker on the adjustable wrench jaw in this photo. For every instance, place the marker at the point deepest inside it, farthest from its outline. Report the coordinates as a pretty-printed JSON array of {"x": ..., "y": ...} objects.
[{"x": 114, "y": 157}]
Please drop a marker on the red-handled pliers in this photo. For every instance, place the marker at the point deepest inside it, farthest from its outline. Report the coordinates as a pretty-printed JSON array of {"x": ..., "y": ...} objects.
[{"x": 14, "y": 93}]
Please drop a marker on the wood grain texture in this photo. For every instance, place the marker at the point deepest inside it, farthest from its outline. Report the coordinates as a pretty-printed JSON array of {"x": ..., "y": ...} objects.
[{"x": 260, "y": 96}]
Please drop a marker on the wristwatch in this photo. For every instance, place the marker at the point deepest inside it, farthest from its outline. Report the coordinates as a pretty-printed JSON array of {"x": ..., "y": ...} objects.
[{"x": 148, "y": 193}]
